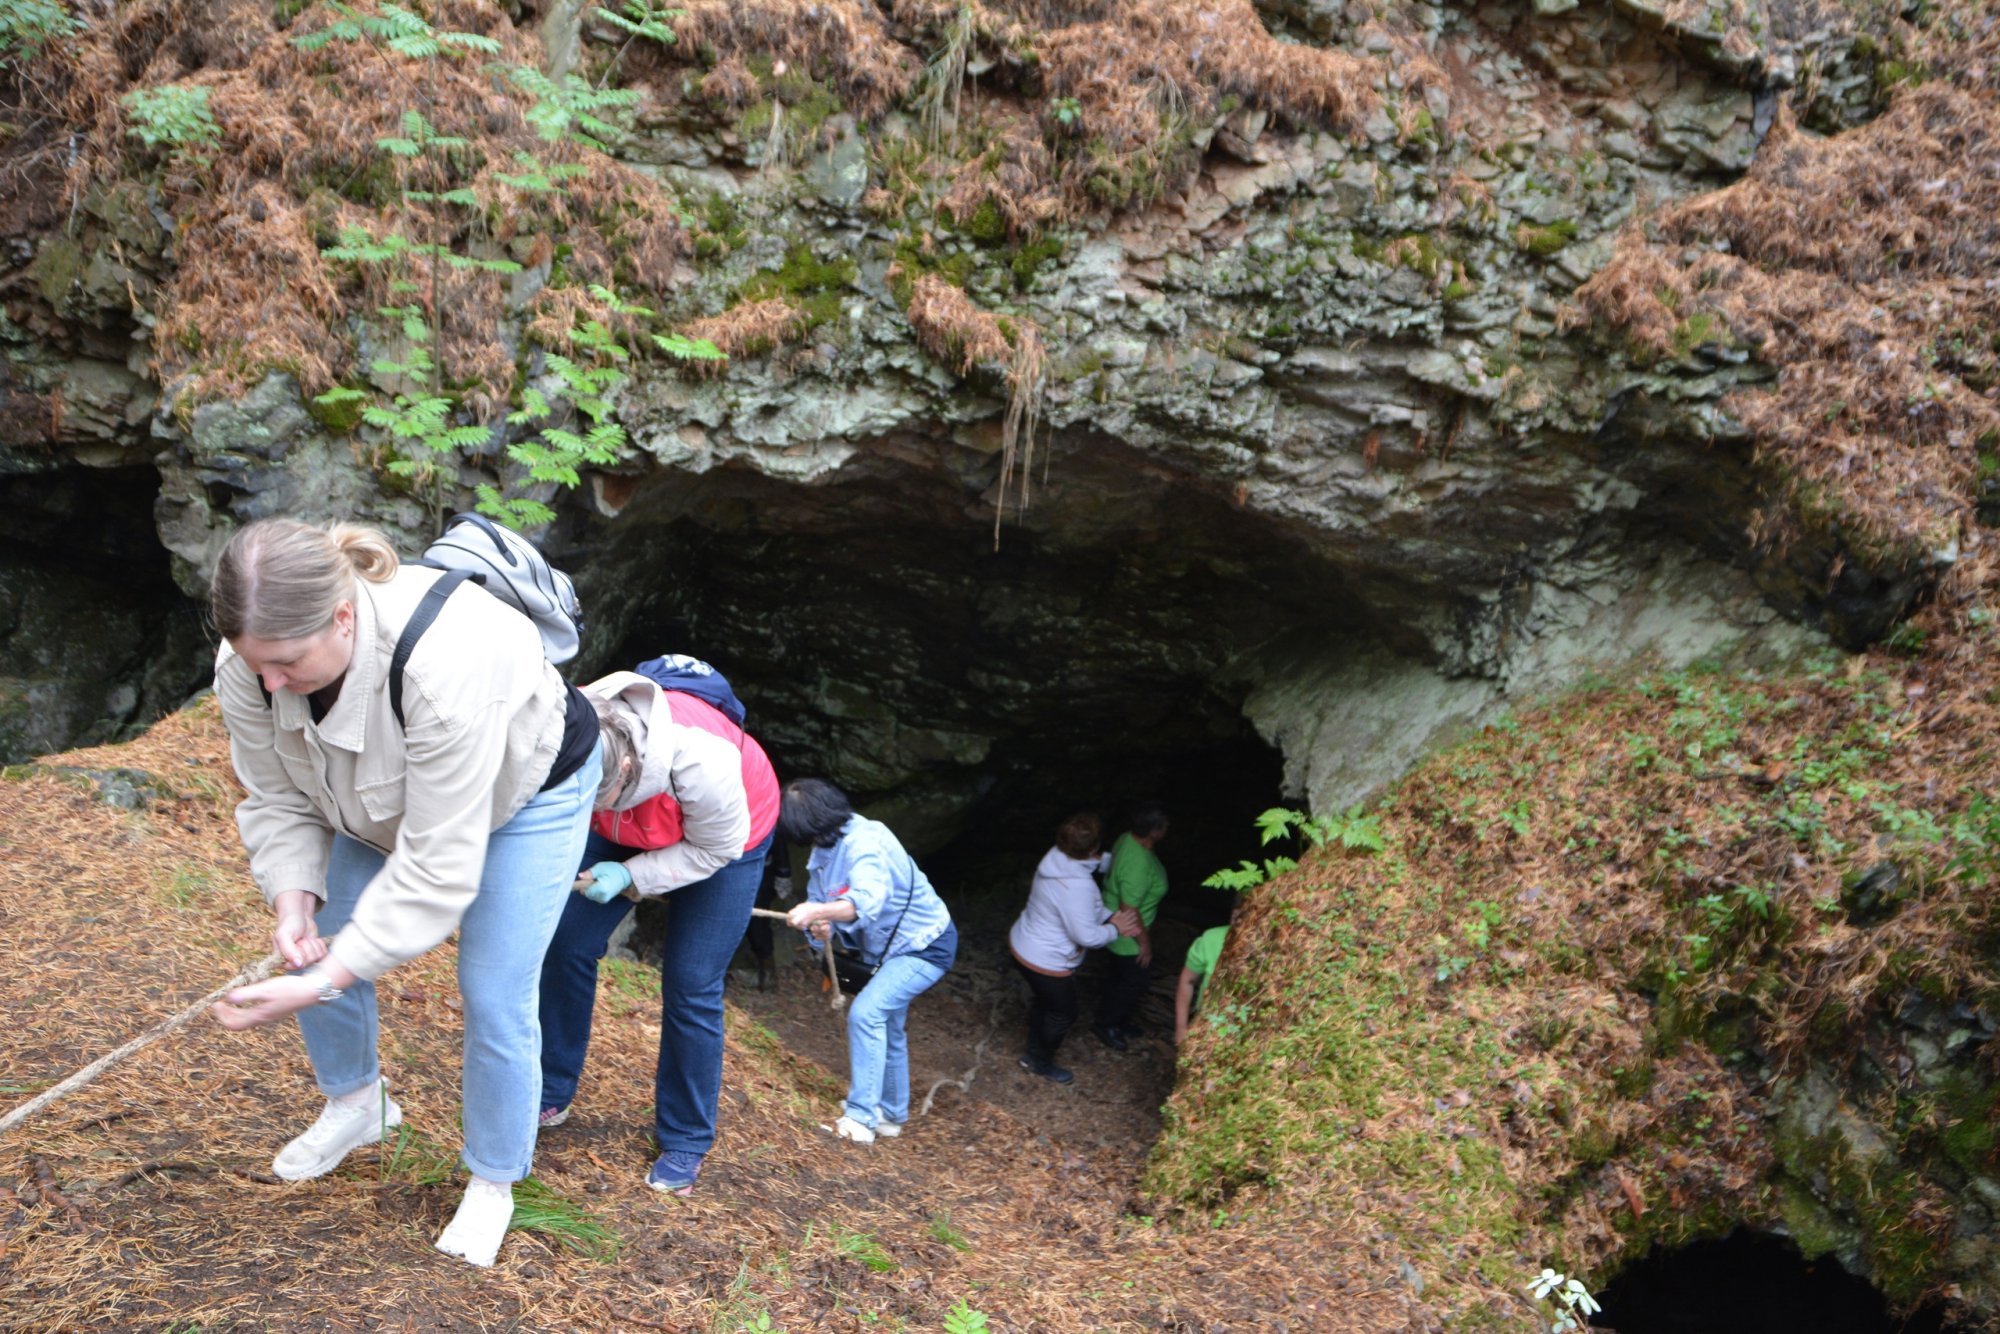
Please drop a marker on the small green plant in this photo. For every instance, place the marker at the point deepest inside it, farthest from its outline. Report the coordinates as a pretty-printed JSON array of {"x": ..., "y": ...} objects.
[
  {"x": 1068, "y": 112},
  {"x": 863, "y": 1247},
  {"x": 187, "y": 884},
  {"x": 175, "y": 118},
  {"x": 638, "y": 18},
  {"x": 27, "y": 26},
  {"x": 561, "y": 426},
  {"x": 1351, "y": 829},
  {"x": 942, "y": 1230},
  {"x": 963, "y": 1319},
  {"x": 1570, "y": 1301},
  {"x": 411, "y": 1158},
  {"x": 568, "y": 1224}
]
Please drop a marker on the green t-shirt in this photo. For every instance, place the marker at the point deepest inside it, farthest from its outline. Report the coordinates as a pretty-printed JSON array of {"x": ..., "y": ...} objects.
[
  {"x": 1137, "y": 880},
  {"x": 1201, "y": 955}
]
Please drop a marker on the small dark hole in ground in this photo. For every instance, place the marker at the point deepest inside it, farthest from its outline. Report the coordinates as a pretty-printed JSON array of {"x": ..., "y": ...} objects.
[{"x": 1748, "y": 1283}]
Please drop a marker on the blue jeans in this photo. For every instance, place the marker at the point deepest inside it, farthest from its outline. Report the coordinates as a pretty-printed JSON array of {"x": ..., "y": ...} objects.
[
  {"x": 878, "y": 1050},
  {"x": 530, "y": 864},
  {"x": 705, "y": 922}
]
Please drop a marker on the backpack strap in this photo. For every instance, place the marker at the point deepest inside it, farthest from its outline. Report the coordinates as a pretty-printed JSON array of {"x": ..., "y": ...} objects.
[{"x": 420, "y": 621}]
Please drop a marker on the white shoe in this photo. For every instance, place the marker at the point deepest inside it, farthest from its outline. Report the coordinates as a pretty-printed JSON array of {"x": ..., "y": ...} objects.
[
  {"x": 339, "y": 1131},
  {"x": 849, "y": 1128},
  {"x": 885, "y": 1128},
  {"x": 480, "y": 1225}
]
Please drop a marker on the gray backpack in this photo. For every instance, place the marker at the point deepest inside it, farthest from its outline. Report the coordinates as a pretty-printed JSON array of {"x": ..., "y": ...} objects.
[
  {"x": 507, "y": 565},
  {"x": 473, "y": 547}
]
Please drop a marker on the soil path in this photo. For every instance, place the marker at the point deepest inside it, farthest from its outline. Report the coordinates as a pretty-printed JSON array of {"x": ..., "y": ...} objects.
[{"x": 970, "y": 1028}]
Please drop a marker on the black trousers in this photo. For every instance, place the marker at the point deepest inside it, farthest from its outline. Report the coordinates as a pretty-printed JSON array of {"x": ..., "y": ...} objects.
[
  {"x": 1051, "y": 1012},
  {"x": 758, "y": 934},
  {"x": 1125, "y": 984}
]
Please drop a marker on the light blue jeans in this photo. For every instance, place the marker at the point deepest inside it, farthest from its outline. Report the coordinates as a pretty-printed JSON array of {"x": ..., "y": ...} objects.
[
  {"x": 878, "y": 1051},
  {"x": 530, "y": 864}
]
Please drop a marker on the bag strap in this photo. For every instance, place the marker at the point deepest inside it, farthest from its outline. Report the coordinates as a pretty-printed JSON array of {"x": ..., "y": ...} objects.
[
  {"x": 890, "y": 947},
  {"x": 420, "y": 621}
]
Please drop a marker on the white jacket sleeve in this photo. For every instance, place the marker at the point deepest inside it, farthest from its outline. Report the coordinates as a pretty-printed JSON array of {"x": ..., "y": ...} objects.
[
  {"x": 433, "y": 873},
  {"x": 287, "y": 838},
  {"x": 1082, "y": 909},
  {"x": 715, "y": 814}
]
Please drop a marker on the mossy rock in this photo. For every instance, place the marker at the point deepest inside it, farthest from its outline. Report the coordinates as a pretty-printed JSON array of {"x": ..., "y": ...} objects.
[
  {"x": 1543, "y": 242},
  {"x": 814, "y": 285}
]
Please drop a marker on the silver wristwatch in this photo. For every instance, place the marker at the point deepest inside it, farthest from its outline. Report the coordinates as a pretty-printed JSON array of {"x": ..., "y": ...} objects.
[{"x": 328, "y": 993}]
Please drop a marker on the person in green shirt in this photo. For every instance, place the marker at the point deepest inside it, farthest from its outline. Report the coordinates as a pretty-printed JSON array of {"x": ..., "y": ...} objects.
[
  {"x": 1137, "y": 881},
  {"x": 1201, "y": 957}
]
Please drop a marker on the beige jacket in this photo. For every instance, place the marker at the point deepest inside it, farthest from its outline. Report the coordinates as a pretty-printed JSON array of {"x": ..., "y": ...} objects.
[
  {"x": 485, "y": 713},
  {"x": 701, "y": 771}
]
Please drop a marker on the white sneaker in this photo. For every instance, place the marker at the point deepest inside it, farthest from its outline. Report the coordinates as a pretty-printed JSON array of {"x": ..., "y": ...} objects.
[
  {"x": 339, "y": 1131},
  {"x": 480, "y": 1225},
  {"x": 885, "y": 1128},
  {"x": 849, "y": 1128}
]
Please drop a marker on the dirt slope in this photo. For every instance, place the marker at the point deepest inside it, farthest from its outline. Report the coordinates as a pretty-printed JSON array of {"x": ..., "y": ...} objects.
[{"x": 141, "y": 1202}]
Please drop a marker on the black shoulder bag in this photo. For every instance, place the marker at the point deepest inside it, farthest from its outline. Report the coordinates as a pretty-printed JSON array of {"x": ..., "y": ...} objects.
[{"x": 848, "y": 966}]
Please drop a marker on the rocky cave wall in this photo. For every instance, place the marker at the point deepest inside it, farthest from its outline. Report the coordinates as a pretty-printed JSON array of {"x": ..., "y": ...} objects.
[{"x": 1297, "y": 469}]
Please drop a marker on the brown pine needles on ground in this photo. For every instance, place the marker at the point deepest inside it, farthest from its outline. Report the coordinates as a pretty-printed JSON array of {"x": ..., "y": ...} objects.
[{"x": 143, "y": 1202}]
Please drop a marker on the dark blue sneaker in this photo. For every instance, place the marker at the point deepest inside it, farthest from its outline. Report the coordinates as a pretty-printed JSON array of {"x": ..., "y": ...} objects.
[
  {"x": 674, "y": 1171},
  {"x": 1048, "y": 1070}
]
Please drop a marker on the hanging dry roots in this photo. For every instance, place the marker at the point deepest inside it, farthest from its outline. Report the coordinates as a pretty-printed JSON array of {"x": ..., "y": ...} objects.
[
  {"x": 962, "y": 336},
  {"x": 1025, "y": 380}
]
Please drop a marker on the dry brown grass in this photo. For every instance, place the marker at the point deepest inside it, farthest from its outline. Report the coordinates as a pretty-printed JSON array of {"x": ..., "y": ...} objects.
[
  {"x": 1860, "y": 266},
  {"x": 298, "y": 160},
  {"x": 749, "y": 329},
  {"x": 1137, "y": 80},
  {"x": 844, "y": 42},
  {"x": 1017, "y": 176}
]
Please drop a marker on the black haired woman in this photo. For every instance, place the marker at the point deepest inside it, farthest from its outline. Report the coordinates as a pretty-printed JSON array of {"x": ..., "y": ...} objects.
[{"x": 861, "y": 882}]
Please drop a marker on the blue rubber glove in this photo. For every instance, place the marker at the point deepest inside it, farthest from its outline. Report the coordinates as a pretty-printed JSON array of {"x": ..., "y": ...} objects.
[{"x": 607, "y": 881}]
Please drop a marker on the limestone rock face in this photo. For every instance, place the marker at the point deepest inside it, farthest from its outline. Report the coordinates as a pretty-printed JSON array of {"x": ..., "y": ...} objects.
[{"x": 1316, "y": 464}]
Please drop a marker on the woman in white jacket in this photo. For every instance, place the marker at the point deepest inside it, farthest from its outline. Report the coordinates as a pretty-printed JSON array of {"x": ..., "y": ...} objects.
[
  {"x": 374, "y": 838},
  {"x": 1065, "y": 916},
  {"x": 685, "y": 813}
]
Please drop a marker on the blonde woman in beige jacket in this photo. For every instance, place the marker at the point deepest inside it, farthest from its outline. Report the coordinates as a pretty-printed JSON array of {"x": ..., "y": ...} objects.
[{"x": 373, "y": 840}]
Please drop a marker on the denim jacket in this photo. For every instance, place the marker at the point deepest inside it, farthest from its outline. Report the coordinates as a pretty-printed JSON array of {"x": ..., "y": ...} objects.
[{"x": 869, "y": 868}]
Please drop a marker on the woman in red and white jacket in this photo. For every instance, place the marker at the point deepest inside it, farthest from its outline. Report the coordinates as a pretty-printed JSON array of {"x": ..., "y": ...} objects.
[{"x": 685, "y": 813}]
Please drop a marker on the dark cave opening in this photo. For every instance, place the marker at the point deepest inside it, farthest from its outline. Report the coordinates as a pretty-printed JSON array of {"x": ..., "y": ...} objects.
[
  {"x": 96, "y": 639},
  {"x": 1749, "y": 1282},
  {"x": 973, "y": 698}
]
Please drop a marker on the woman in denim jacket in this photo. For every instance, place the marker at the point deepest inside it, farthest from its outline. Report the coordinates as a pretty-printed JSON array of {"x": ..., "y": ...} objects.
[{"x": 861, "y": 882}]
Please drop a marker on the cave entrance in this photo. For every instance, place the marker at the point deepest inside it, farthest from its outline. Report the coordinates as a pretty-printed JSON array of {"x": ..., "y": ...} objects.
[
  {"x": 973, "y": 698},
  {"x": 96, "y": 639},
  {"x": 1213, "y": 789},
  {"x": 1748, "y": 1283}
]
